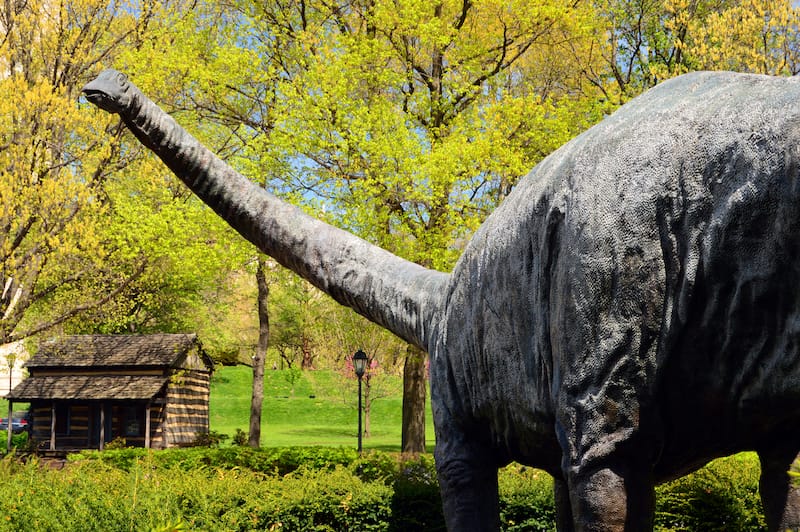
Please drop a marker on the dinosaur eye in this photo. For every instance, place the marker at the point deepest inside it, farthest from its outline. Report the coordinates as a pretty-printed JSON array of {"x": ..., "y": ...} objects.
[{"x": 122, "y": 78}]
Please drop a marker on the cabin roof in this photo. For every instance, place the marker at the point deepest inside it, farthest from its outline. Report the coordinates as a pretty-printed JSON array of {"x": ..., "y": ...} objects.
[
  {"x": 88, "y": 387},
  {"x": 99, "y": 351}
]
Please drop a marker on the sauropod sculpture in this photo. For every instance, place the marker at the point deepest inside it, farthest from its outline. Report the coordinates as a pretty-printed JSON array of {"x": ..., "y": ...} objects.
[{"x": 629, "y": 312}]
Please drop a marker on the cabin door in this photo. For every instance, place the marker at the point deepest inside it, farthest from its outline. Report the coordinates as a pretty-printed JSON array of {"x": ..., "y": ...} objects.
[{"x": 100, "y": 415}]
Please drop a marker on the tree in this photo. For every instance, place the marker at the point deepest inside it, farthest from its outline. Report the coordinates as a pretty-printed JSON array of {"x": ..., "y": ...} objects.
[
  {"x": 383, "y": 350},
  {"x": 185, "y": 249},
  {"x": 404, "y": 121},
  {"x": 412, "y": 438},
  {"x": 758, "y": 36},
  {"x": 640, "y": 45},
  {"x": 414, "y": 119},
  {"x": 166, "y": 244},
  {"x": 56, "y": 162},
  {"x": 260, "y": 357},
  {"x": 645, "y": 42}
]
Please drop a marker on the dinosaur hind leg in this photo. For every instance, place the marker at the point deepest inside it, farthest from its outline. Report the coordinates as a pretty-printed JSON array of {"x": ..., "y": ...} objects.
[
  {"x": 614, "y": 496},
  {"x": 564, "y": 520},
  {"x": 779, "y": 496}
]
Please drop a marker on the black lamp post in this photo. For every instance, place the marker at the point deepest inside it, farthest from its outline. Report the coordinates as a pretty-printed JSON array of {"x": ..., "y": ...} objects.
[{"x": 359, "y": 365}]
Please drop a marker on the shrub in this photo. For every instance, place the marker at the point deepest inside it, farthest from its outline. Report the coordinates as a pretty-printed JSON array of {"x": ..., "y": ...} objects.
[
  {"x": 123, "y": 459},
  {"x": 239, "y": 488},
  {"x": 722, "y": 496},
  {"x": 241, "y": 438},
  {"x": 416, "y": 502},
  {"x": 116, "y": 443},
  {"x": 211, "y": 438},
  {"x": 288, "y": 459},
  {"x": 375, "y": 466},
  {"x": 21, "y": 441},
  {"x": 327, "y": 500},
  {"x": 526, "y": 499},
  {"x": 277, "y": 461}
]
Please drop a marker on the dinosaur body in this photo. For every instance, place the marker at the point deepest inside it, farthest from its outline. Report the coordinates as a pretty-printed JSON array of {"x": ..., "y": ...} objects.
[{"x": 631, "y": 311}]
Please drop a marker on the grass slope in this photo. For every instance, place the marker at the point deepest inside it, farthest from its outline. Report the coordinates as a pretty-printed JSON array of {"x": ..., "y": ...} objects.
[{"x": 317, "y": 409}]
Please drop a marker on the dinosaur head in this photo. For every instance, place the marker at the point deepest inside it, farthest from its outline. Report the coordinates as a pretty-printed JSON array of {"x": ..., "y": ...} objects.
[{"x": 109, "y": 91}]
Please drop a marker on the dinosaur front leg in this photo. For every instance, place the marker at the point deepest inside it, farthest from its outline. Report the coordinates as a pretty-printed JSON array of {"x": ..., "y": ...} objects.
[
  {"x": 469, "y": 492},
  {"x": 467, "y": 469}
]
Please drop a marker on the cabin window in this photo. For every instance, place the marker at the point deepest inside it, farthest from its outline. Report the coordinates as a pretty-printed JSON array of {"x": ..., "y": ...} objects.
[
  {"x": 62, "y": 418},
  {"x": 134, "y": 424}
]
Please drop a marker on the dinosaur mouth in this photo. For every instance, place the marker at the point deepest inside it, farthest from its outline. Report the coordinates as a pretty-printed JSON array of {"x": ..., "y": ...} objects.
[
  {"x": 100, "y": 99},
  {"x": 92, "y": 95}
]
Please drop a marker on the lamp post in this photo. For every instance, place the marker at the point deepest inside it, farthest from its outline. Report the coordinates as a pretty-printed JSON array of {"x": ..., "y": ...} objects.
[
  {"x": 359, "y": 365},
  {"x": 11, "y": 359}
]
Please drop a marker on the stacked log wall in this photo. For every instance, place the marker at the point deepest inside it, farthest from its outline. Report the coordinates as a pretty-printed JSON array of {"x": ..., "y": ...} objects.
[
  {"x": 76, "y": 437},
  {"x": 186, "y": 412}
]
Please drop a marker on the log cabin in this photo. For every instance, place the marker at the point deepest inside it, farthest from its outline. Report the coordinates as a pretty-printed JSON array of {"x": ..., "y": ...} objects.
[{"x": 87, "y": 390}]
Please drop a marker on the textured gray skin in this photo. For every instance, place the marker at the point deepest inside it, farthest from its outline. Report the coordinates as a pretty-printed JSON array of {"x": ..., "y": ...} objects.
[{"x": 630, "y": 312}]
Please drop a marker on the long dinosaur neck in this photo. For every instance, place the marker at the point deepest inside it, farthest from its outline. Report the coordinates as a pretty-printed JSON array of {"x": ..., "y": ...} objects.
[{"x": 392, "y": 292}]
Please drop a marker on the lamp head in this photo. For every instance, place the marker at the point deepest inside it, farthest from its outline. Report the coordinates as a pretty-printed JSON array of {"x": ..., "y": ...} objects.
[{"x": 360, "y": 363}]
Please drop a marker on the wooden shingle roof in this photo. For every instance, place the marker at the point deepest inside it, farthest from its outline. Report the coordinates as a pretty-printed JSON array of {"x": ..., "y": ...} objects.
[
  {"x": 88, "y": 387},
  {"x": 115, "y": 351}
]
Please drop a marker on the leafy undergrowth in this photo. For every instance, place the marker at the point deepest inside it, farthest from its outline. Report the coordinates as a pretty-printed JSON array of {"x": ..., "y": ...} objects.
[{"x": 316, "y": 489}]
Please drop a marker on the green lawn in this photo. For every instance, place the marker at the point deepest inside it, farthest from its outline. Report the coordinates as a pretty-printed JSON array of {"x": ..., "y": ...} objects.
[{"x": 315, "y": 410}]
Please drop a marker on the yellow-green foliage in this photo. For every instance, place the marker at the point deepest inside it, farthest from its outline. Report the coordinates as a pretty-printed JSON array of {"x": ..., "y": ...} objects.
[
  {"x": 93, "y": 495},
  {"x": 300, "y": 489},
  {"x": 84, "y": 214},
  {"x": 722, "y": 496}
]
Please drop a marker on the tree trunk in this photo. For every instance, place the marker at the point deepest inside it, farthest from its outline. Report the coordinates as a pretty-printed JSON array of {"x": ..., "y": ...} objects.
[
  {"x": 308, "y": 355},
  {"x": 414, "y": 390},
  {"x": 254, "y": 439},
  {"x": 367, "y": 404}
]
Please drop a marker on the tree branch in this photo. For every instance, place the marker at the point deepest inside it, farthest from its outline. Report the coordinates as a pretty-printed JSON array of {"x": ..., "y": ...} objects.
[{"x": 79, "y": 308}]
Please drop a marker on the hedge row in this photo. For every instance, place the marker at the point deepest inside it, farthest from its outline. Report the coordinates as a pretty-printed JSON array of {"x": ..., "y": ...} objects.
[
  {"x": 275, "y": 461},
  {"x": 317, "y": 489}
]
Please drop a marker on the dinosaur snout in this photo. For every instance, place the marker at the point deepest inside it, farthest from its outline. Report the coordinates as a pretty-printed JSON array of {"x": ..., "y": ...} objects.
[
  {"x": 93, "y": 95},
  {"x": 97, "y": 96},
  {"x": 107, "y": 91}
]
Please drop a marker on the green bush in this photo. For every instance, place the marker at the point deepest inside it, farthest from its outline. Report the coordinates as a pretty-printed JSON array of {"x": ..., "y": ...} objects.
[
  {"x": 287, "y": 459},
  {"x": 117, "y": 443},
  {"x": 376, "y": 466},
  {"x": 19, "y": 441},
  {"x": 240, "y": 488},
  {"x": 526, "y": 499},
  {"x": 722, "y": 496},
  {"x": 241, "y": 438},
  {"x": 211, "y": 438},
  {"x": 277, "y": 461},
  {"x": 327, "y": 500},
  {"x": 92, "y": 495},
  {"x": 416, "y": 502}
]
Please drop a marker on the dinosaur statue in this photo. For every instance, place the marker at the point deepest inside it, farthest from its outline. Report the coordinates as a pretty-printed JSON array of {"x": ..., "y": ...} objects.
[{"x": 630, "y": 312}]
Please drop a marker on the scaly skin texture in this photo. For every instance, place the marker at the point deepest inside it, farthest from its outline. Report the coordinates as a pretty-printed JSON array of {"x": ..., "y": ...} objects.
[{"x": 631, "y": 311}]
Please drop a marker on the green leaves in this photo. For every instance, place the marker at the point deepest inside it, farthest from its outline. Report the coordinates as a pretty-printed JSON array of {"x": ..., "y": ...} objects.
[
  {"x": 54, "y": 162},
  {"x": 644, "y": 43},
  {"x": 411, "y": 120}
]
